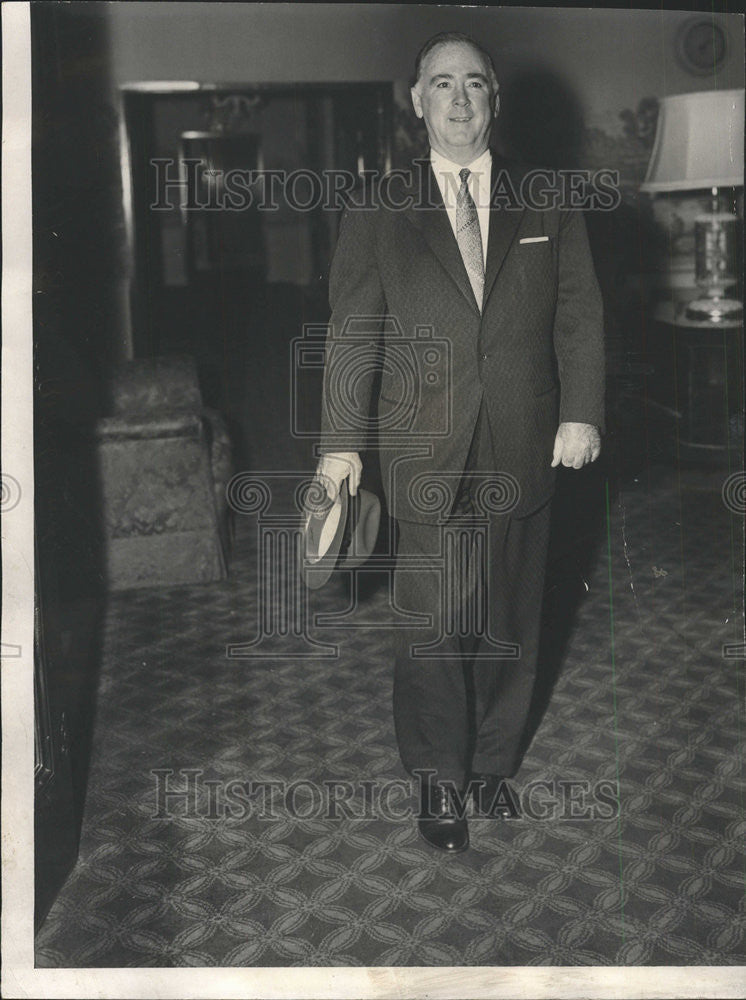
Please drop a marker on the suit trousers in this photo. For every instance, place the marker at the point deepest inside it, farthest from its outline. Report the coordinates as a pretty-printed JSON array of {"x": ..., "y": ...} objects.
[{"x": 464, "y": 678}]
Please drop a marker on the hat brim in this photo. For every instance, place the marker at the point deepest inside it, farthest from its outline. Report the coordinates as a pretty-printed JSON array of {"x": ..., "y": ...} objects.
[
  {"x": 364, "y": 518},
  {"x": 316, "y": 565},
  {"x": 352, "y": 543}
]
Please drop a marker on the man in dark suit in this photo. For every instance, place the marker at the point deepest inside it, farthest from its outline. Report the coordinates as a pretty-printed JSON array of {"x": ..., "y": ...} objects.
[{"x": 471, "y": 433}]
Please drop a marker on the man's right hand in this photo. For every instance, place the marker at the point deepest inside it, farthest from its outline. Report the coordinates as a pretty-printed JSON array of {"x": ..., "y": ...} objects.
[{"x": 336, "y": 467}]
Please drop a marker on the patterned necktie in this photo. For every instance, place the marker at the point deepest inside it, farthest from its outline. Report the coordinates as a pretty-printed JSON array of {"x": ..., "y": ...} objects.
[{"x": 469, "y": 236}]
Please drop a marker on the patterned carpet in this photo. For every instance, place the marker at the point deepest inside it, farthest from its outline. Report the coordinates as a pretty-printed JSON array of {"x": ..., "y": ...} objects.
[{"x": 645, "y": 698}]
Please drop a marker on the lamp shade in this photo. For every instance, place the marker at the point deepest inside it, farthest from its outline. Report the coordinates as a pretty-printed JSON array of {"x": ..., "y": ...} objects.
[{"x": 698, "y": 142}]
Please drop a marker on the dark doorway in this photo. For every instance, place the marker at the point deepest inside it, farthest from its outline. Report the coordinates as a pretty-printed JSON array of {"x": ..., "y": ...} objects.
[
  {"x": 181, "y": 230},
  {"x": 229, "y": 279}
]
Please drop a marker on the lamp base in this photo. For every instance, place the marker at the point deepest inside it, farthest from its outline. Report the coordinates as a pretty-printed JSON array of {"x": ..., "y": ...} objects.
[{"x": 714, "y": 310}]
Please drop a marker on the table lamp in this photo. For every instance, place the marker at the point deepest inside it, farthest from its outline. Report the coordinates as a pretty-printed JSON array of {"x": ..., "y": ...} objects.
[{"x": 699, "y": 145}]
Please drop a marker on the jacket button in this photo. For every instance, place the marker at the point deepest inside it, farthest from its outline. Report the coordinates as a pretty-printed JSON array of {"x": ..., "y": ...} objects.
[{"x": 484, "y": 357}]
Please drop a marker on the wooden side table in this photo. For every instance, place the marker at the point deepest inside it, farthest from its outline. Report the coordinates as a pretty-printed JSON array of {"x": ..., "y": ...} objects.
[{"x": 702, "y": 382}]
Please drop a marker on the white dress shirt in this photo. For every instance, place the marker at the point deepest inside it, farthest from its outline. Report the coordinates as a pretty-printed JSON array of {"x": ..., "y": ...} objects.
[{"x": 447, "y": 175}]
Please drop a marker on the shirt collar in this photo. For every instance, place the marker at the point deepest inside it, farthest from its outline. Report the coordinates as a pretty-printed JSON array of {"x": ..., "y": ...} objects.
[{"x": 482, "y": 164}]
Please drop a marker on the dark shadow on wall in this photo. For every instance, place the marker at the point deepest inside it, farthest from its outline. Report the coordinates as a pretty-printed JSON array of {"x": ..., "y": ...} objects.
[{"x": 541, "y": 123}]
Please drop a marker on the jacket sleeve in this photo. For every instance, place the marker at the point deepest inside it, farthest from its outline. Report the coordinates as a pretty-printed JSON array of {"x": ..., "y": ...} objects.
[
  {"x": 579, "y": 327},
  {"x": 352, "y": 348}
]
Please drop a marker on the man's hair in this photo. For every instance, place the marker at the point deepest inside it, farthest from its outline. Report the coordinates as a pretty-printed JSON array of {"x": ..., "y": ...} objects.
[{"x": 443, "y": 38}]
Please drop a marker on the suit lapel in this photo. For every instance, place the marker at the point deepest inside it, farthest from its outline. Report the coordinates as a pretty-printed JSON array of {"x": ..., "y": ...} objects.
[
  {"x": 503, "y": 225},
  {"x": 428, "y": 213}
]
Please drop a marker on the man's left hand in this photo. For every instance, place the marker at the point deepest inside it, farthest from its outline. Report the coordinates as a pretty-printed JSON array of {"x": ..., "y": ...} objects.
[{"x": 576, "y": 445}]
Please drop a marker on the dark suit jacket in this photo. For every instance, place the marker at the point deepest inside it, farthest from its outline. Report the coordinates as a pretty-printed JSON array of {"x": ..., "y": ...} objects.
[{"x": 402, "y": 306}]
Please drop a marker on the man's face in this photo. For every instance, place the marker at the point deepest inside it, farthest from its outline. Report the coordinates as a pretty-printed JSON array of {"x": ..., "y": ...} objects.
[{"x": 456, "y": 97}]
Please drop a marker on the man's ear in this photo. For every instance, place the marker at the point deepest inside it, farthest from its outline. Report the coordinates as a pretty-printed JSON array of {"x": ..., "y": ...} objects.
[
  {"x": 496, "y": 110},
  {"x": 416, "y": 101}
]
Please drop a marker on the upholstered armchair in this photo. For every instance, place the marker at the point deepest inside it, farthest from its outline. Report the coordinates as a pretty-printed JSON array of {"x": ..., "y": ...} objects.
[{"x": 164, "y": 462}]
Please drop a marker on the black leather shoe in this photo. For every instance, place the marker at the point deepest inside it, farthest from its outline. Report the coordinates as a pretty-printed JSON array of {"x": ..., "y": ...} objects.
[
  {"x": 493, "y": 797},
  {"x": 441, "y": 821}
]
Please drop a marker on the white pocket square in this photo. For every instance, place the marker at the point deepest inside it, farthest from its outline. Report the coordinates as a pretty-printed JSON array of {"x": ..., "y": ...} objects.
[{"x": 534, "y": 239}]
